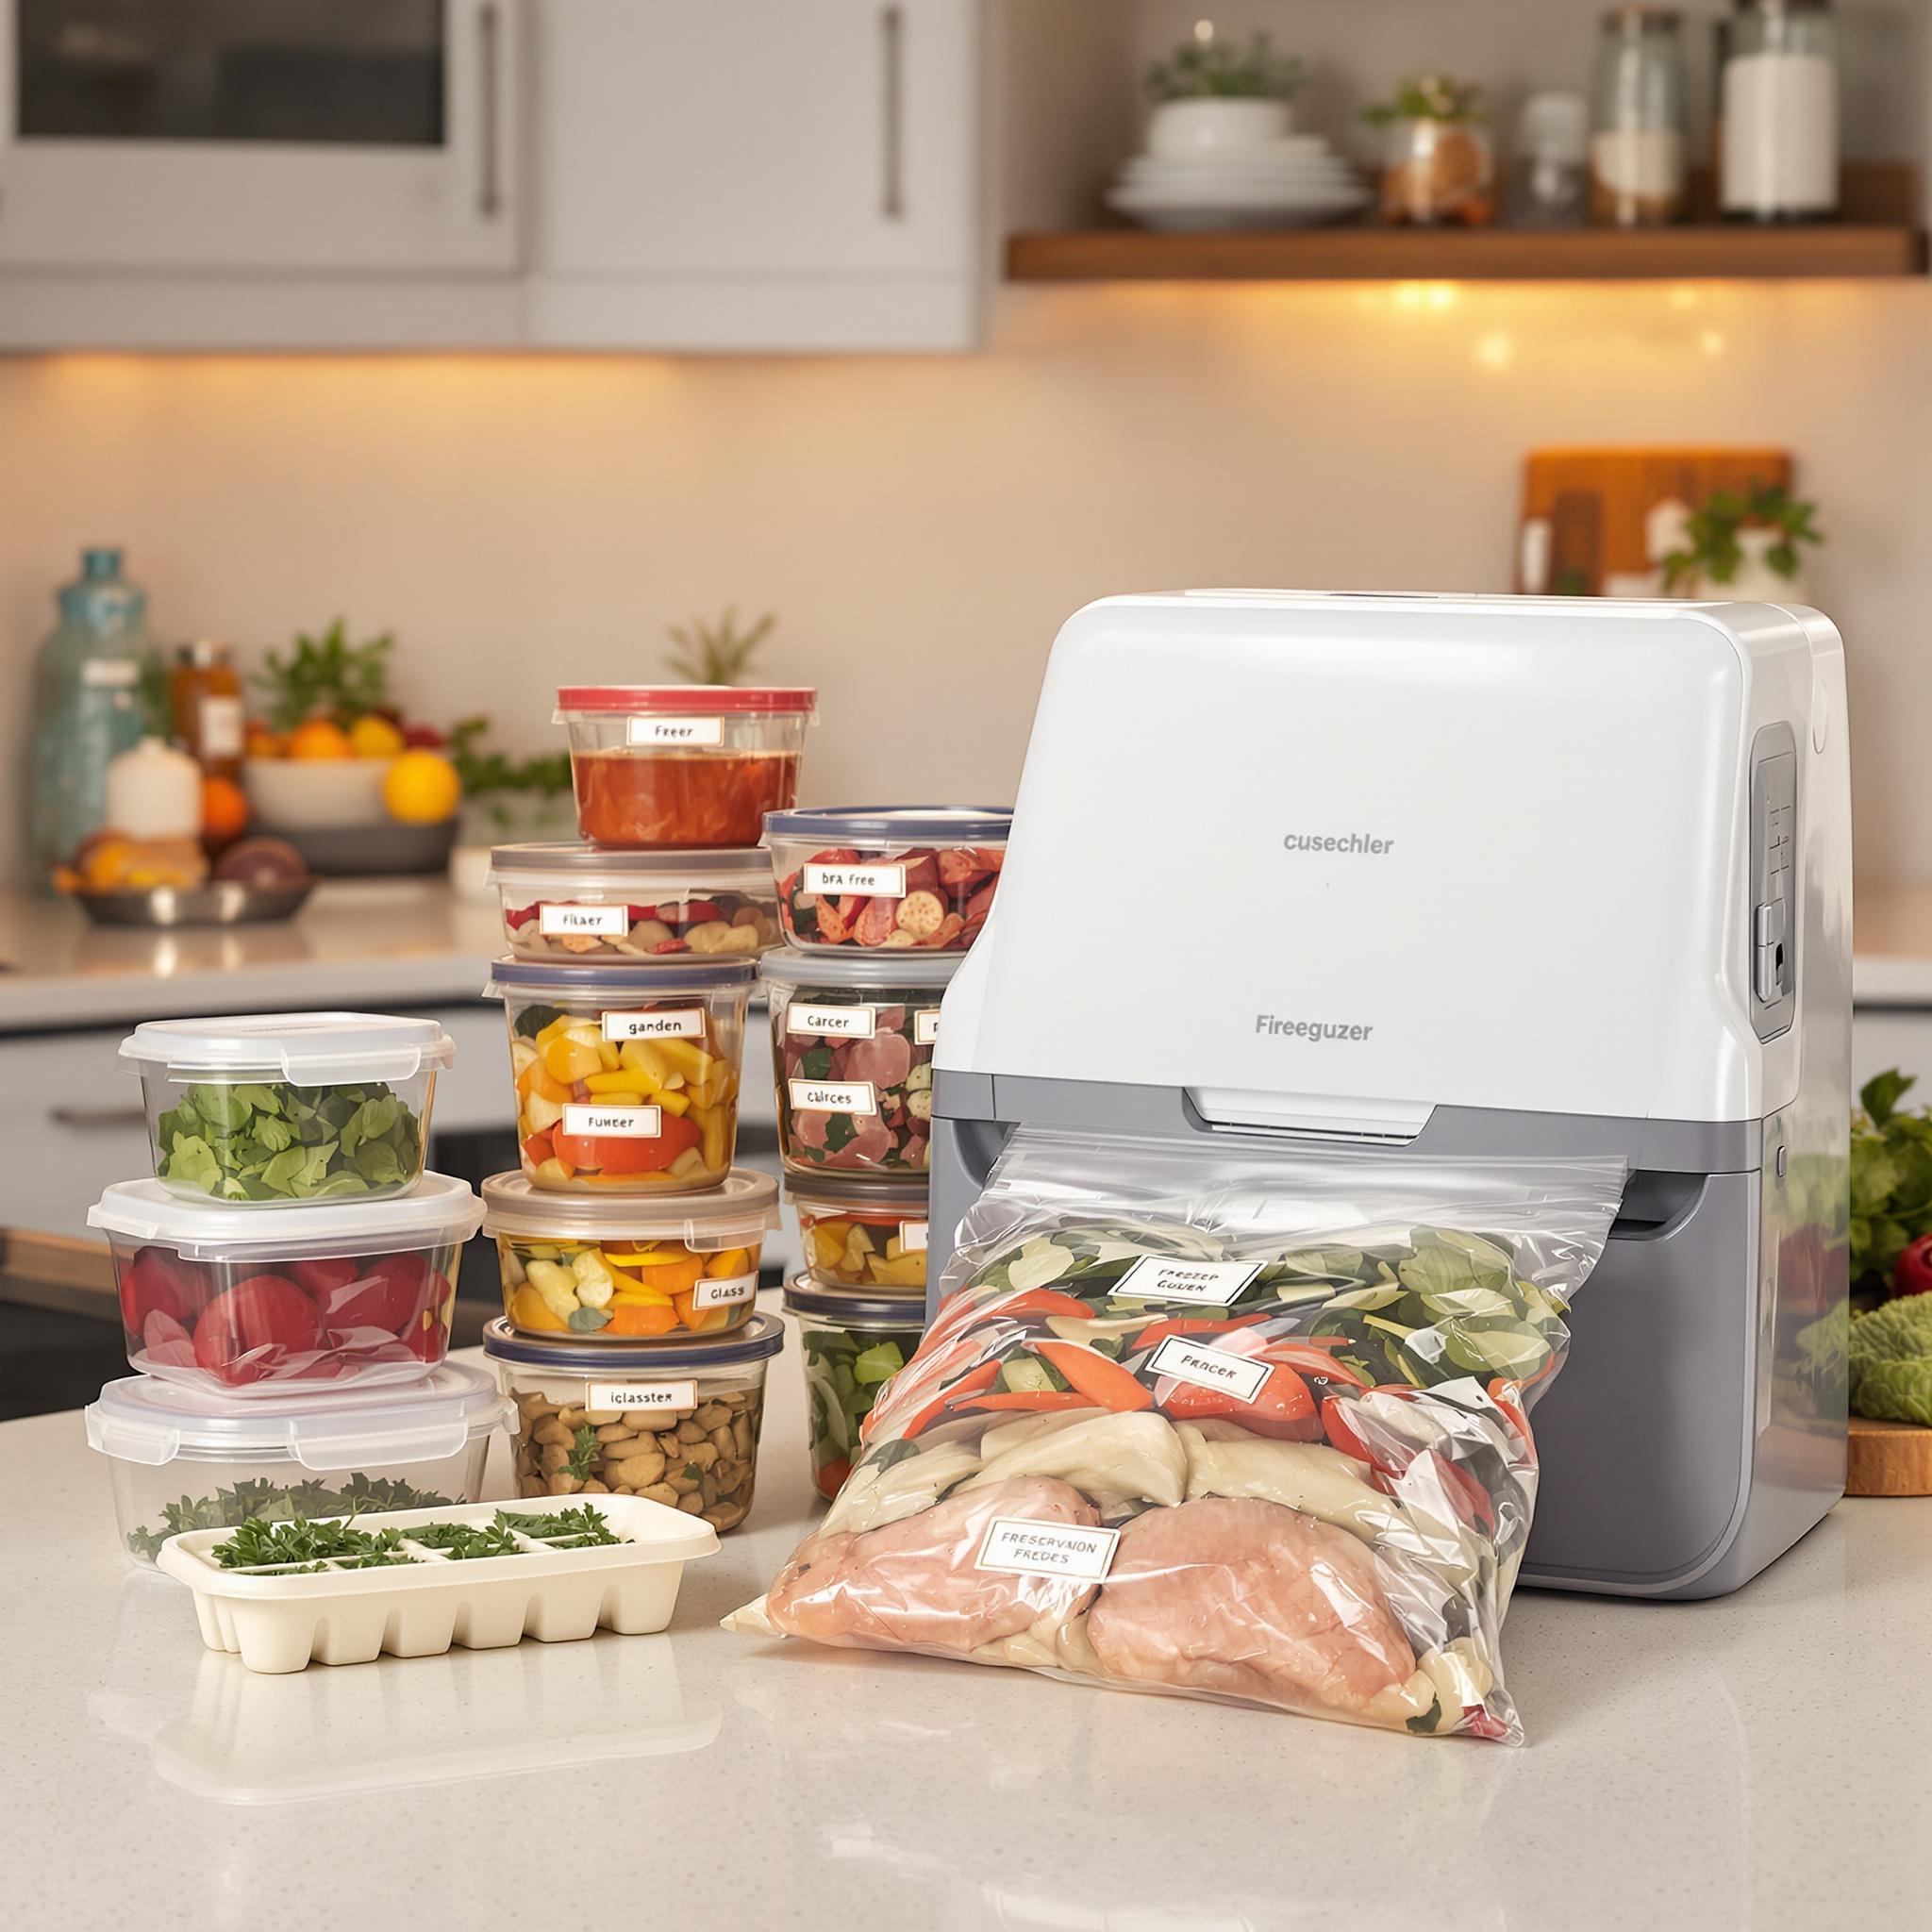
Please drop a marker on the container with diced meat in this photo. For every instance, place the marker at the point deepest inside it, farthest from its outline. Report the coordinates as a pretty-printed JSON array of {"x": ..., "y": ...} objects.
[
  {"x": 676, "y": 1423},
  {"x": 861, "y": 1234},
  {"x": 623, "y": 1268},
  {"x": 182, "y": 1459},
  {"x": 852, "y": 1041},
  {"x": 590, "y": 902},
  {"x": 851, "y": 1345},
  {"x": 898, "y": 878},
  {"x": 266, "y": 1110},
  {"x": 294, "y": 1297},
  {"x": 682, "y": 764},
  {"x": 626, "y": 1082}
]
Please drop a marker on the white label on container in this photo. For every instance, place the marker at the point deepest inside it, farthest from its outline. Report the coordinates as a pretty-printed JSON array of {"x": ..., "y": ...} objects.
[
  {"x": 642, "y": 1395},
  {"x": 913, "y": 1236},
  {"x": 674, "y": 730},
  {"x": 724, "y": 1291},
  {"x": 860, "y": 881},
  {"x": 834, "y": 1096},
  {"x": 1239, "y": 1375},
  {"x": 925, "y": 1025},
  {"x": 561, "y": 921},
  {"x": 1021, "y": 1548},
  {"x": 674, "y": 1023},
  {"x": 110, "y": 674},
  {"x": 615, "y": 1122},
  {"x": 222, "y": 726},
  {"x": 848, "y": 1023},
  {"x": 1152, "y": 1279}
]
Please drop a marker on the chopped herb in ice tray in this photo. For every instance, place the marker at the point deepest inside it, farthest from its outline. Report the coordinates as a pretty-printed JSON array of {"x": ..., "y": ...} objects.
[
  {"x": 260, "y": 1545},
  {"x": 561, "y": 1529},
  {"x": 460, "y": 1542}
]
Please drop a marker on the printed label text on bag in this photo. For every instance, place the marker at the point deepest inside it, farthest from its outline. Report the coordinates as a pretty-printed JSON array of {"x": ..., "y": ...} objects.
[
  {"x": 1023, "y": 1548},
  {"x": 1239, "y": 1375},
  {"x": 1154, "y": 1279}
]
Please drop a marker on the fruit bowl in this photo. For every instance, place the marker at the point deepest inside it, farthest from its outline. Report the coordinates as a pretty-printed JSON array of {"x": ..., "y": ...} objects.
[{"x": 315, "y": 794}]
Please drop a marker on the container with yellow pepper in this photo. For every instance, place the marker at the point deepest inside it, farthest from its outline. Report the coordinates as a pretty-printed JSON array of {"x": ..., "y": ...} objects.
[{"x": 620, "y": 1268}]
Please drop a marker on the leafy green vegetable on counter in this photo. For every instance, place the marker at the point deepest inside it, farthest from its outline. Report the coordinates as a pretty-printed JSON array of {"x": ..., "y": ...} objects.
[
  {"x": 267, "y": 1502},
  {"x": 1891, "y": 1179},
  {"x": 1890, "y": 1361},
  {"x": 268, "y": 1143}
]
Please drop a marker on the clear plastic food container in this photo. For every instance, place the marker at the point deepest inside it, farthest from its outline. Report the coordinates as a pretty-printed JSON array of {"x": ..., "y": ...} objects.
[
  {"x": 285, "y": 1298},
  {"x": 919, "y": 877},
  {"x": 852, "y": 1345},
  {"x": 682, "y": 764},
  {"x": 266, "y": 1110},
  {"x": 626, "y": 1082},
  {"x": 621, "y": 1268},
  {"x": 678, "y": 1423},
  {"x": 851, "y": 1040},
  {"x": 861, "y": 1234},
  {"x": 583, "y": 902},
  {"x": 183, "y": 1459}
]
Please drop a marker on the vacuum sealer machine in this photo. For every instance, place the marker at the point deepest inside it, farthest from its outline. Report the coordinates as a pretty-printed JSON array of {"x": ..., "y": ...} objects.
[{"x": 1473, "y": 877}]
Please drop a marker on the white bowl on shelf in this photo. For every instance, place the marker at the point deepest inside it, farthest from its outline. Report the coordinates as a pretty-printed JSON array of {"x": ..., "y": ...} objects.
[
  {"x": 315, "y": 794},
  {"x": 1215, "y": 126}
]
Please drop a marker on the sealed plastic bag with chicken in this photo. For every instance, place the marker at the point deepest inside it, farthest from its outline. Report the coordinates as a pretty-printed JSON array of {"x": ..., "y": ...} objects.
[{"x": 1252, "y": 1427}]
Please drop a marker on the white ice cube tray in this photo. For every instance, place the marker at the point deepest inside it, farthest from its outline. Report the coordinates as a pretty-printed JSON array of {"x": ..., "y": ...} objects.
[{"x": 285, "y": 1621}]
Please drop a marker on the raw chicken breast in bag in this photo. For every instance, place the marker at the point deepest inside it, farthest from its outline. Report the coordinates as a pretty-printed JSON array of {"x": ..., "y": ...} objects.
[{"x": 1252, "y": 1428}]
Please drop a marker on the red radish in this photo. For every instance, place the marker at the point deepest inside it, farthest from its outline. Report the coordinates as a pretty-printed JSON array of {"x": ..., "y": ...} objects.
[
  {"x": 158, "y": 1281},
  {"x": 381, "y": 1293},
  {"x": 165, "y": 1343},
  {"x": 249, "y": 1331},
  {"x": 324, "y": 1279}
]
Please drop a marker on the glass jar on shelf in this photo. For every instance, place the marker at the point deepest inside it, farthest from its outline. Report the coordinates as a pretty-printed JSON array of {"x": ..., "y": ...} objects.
[
  {"x": 1778, "y": 112},
  {"x": 1637, "y": 151},
  {"x": 1438, "y": 166}
]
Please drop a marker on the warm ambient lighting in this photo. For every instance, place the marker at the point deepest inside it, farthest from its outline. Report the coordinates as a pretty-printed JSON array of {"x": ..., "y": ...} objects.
[
  {"x": 1496, "y": 351},
  {"x": 1426, "y": 296}
]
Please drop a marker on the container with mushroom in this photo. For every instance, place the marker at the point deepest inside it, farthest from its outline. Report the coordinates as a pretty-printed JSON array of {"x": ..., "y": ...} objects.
[{"x": 676, "y": 1423}]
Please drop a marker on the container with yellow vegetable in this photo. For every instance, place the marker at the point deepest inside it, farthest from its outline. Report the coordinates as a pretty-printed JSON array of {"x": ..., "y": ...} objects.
[
  {"x": 626, "y": 1082},
  {"x": 626, "y": 1270},
  {"x": 863, "y": 1234}
]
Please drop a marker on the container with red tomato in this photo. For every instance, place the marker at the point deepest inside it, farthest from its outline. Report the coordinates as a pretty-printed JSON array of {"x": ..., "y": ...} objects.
[
  {"x": 313, "y": 1294},
  {"x": 649, "y": 908},
  {"x": 623, "y": 1268},
  {"x": 900, "y": 878},
  {"x": 682, "y": 764},
  {"x": 852, "y": 1044},
  {"x": 626, "y": 1082}
]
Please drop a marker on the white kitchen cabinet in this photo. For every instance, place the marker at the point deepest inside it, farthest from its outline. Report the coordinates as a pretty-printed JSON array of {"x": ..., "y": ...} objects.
[{"x": 753, "y": 174}]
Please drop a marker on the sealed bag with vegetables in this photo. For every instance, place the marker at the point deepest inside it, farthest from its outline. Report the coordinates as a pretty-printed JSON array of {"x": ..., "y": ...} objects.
[{"x": 1199, "y": 1421}]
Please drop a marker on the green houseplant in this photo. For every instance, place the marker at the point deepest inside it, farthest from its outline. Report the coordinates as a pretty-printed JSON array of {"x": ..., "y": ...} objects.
[
  {"x": 718, "y": 653},
  {"x": 1744, "y": 543}
]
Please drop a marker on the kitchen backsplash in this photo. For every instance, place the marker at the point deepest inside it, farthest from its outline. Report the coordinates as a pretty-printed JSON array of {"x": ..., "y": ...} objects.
[{"x": 924, "y": 524}]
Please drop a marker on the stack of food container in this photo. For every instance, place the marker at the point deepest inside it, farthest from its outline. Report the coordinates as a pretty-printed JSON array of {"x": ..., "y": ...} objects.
[
  {"x": 286, "y": 1280},
  {"x": 878, "y": 905},
  {"x": 629, "y": 1244}
]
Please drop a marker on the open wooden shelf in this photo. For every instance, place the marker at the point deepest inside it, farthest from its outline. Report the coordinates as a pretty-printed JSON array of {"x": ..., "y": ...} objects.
[{"x": 1880, "y": 237}]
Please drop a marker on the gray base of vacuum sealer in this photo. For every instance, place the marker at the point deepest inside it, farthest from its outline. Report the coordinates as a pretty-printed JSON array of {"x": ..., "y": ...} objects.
[{"x": 1683, "y": 1447}]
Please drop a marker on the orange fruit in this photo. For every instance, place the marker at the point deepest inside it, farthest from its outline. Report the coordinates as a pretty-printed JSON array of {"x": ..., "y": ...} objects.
[
  {"x": 320, "y": 737},
  {"x": 263, "y": 742},
  {"x": 224, "y": 811}
]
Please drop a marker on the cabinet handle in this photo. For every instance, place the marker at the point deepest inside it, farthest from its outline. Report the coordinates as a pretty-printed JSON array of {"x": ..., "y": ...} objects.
[
  {"x": 892, "y": 47},
  {"x": 489, "y": 48},
  {"x": 91, "y": 1120}
]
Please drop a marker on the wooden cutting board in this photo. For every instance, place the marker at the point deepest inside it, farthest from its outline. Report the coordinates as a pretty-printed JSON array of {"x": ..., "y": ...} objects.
[{"x": 1889, "y": 1459}]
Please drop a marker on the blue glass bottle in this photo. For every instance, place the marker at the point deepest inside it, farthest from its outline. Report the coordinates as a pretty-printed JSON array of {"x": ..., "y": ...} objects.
[{"x": 89, "y": 703}]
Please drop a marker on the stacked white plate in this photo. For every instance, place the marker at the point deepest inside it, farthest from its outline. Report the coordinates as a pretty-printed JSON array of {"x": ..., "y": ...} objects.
[{"x": 1292, "y": 182}]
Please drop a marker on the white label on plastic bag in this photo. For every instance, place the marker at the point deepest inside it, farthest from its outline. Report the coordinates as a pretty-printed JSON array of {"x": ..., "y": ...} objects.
[
  {"x": 1239, "y": 1375},
  {"x": 1153, "y": 1280},
  {"x": 925, "y": 1025},
  {"x": 674, "y": 730},
  {"x": 724, "y": 1291},
  {"x": 913, "y": 1236},
  {"x": 1020, "y": 1547},
  {"x": 861, "y": 881},
  {"x": 562, "y": 922},
  {"x": 676, "y": 1023},
  {"x": 642, "y": 1395},
  {"x": 616, "y": 1123},
  {"x": 834, "y": 1096},
  {"x": 848, "y": 1023}
]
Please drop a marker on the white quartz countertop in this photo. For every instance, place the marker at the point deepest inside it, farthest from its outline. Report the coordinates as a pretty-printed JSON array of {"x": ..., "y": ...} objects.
[{"x": 1760, "y": 1762}]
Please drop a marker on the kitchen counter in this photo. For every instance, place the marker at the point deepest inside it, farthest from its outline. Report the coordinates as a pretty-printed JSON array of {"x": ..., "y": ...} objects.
[
  {"x": 373, "y": 943},
  {"x": 1756, "y": 1763}
]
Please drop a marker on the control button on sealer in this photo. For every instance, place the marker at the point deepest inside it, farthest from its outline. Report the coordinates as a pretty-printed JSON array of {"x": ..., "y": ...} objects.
[{"x": 1767, "y": 977}]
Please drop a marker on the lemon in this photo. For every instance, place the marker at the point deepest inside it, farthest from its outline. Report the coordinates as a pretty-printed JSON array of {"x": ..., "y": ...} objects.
[
  {"x": 374, "y": 738},
  {"x": 421, "y": 787}
]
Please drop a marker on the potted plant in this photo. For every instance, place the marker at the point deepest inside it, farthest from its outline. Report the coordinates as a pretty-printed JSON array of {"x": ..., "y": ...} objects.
[
  {"x": 1745, "y": 547},
  {"x": 1216, "y": 96},
  {"x": 717, "y": 653},
  {"x": 1437, "y": 162}
]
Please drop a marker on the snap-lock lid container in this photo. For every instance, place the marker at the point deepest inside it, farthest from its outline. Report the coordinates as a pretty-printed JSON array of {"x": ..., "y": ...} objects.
[
  {"x": 863, "y": 1234},
  {"x": 899, "y": 878},
  {"x": 305, "y": 1049},
  {"x": 743, "y": 1208},
  {"x": 683, "y": 701},
  {"x": 840, "y": 1309},
  {"x": 889, "y": 972},
  {"x": 762, "y": 1336},
  {"x": 647, "y": 908},
  {"x": 594, "y": 984},
  {"x": 850, "y": 1347}
]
